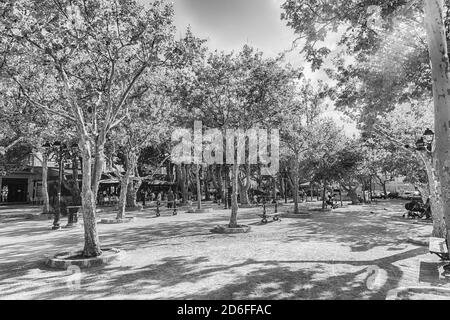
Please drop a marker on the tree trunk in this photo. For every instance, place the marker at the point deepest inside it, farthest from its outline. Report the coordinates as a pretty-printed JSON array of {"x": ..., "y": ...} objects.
[
  {"x": 282, "y": 186},
  {"x": 134, "y": 182},
  {"x": 206, "y": 185},
  {"x": 124, "y": 181},
  {"x": 243, "y": 188},
  {"x": 274, "y": 188},
  {"x": 434, "y": 192},
  {"x": 295, "y": 171},
  {"x": 216, "y": 178},
  {"x": 76, "y": 187},
  {"x": 324, "y": 194},
  {"x": 133, "y": 187},
  {"x": 437, "y": 44},
  {"x": 290, "y": 181},
  {"x": 383, "y": 184},
  {"x": 45, "y": 198},
  {"x": 364, "y": 192},
  {"x": 91, "y": 240},
  {"x": 199, "y": 187},
  {"x": 220, "y": 189},
  {"x": 226, "y": 175},
  {"x": 353, "y": 196},
  {"x": 234, "y": 196},
  {"x": 181, "y": 176},
  {"x": 99, "y": 162}
]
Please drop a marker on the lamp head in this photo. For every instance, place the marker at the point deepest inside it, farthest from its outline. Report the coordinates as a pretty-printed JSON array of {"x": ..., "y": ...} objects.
[{"x": 428, "y": 135}]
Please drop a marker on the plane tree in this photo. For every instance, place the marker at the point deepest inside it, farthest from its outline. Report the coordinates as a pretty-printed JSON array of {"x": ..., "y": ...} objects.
[
  {"x": 93, "y": 54},
  {"x": 312, "y": 21}
]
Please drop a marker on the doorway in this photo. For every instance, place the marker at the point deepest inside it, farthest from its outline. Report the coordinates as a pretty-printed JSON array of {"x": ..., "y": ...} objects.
[{"x": 15, "y": 189}]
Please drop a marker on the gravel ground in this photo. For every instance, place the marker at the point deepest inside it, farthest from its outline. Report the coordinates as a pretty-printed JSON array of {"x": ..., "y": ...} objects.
[{"x": 355, "y": 252}]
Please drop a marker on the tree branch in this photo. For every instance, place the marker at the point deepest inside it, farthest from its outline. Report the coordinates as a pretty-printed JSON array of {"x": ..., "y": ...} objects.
[{"x": 39, "y": 105}]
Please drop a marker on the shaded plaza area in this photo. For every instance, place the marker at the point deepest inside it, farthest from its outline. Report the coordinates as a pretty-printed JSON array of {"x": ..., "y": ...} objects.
[{"x": 355, "y": 252}]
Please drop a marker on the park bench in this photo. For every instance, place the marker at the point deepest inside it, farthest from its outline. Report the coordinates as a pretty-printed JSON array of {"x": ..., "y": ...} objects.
[
  {"x": 264, "y": 216},
  {"x": 438, "y": 246},
  {"x": 158, "y": 210},
  {"x": 274, "y": 216}
]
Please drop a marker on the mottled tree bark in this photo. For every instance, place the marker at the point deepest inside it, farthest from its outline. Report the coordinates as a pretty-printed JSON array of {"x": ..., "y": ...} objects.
[
  {"x": 296, "y": 186},
  {"x": 88, "y": 200},
  {"x": 45, "y": 198},
  {"x": 437, "y": 44},
  {"x": 133, "y": 187},
  {"x": 206, "y": 185},
  {"x": 124, "y": 180},
  {"x": 433, "y": 191},
  {"x": 76, "y": 192},
  {"x": 234, "y": 196},
  {"x": 324, "y": 194},
  {"x": 181, "y": 177},
  {"x": 199, "y": 187},
  {"x": 244, "y": 187}
]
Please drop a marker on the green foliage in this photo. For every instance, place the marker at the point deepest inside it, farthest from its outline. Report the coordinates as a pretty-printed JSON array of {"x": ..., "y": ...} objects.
[
  {"x": 233, "y": 90},
  {"x": 312, "y": 21},
  {"x": 81, "y": 60}
]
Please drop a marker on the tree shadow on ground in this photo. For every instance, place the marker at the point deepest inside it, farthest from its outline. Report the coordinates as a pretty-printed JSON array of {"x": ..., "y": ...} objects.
[
  {"x": 197, "y": 276},
  {"x": 187, "y": 278}
]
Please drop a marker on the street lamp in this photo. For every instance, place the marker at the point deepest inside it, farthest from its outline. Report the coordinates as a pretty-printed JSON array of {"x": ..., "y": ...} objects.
[
  {"x": 420, "y": 144},
  {"x": 425, "y": 142},
  {"x": 428, "y": 136}
]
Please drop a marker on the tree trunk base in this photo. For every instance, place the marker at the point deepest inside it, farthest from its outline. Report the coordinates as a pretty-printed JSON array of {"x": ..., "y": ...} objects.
[
  {"x": 78, "y": 258},
  {"x": 117, "y": 220},
  {"x": 226, "y": 229}
]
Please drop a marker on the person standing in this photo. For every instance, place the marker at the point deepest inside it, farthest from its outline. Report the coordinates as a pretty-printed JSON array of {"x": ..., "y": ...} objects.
[
  {"x": 170, "y": 198},
  {"x": 144, "y": 196}
]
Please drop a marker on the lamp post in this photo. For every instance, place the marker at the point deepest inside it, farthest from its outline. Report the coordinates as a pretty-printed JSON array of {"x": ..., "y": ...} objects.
[{"x": 225, "y": 187}]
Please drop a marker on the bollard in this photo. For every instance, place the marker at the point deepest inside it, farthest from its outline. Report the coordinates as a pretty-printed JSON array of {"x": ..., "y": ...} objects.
[{"x": 276, "y": 207}]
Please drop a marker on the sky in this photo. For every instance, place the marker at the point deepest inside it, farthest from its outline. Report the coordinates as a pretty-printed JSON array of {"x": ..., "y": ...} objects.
[{"x": 230, "y": 24}]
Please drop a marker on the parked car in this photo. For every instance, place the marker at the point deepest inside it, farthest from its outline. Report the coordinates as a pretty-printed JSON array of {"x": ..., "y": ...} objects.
[
  {"x": 411, "y": 195},
  {"x": 393, "y": 195},
  {"x": 378, "y": 195},
  {"x": 406, "y": 195}
]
